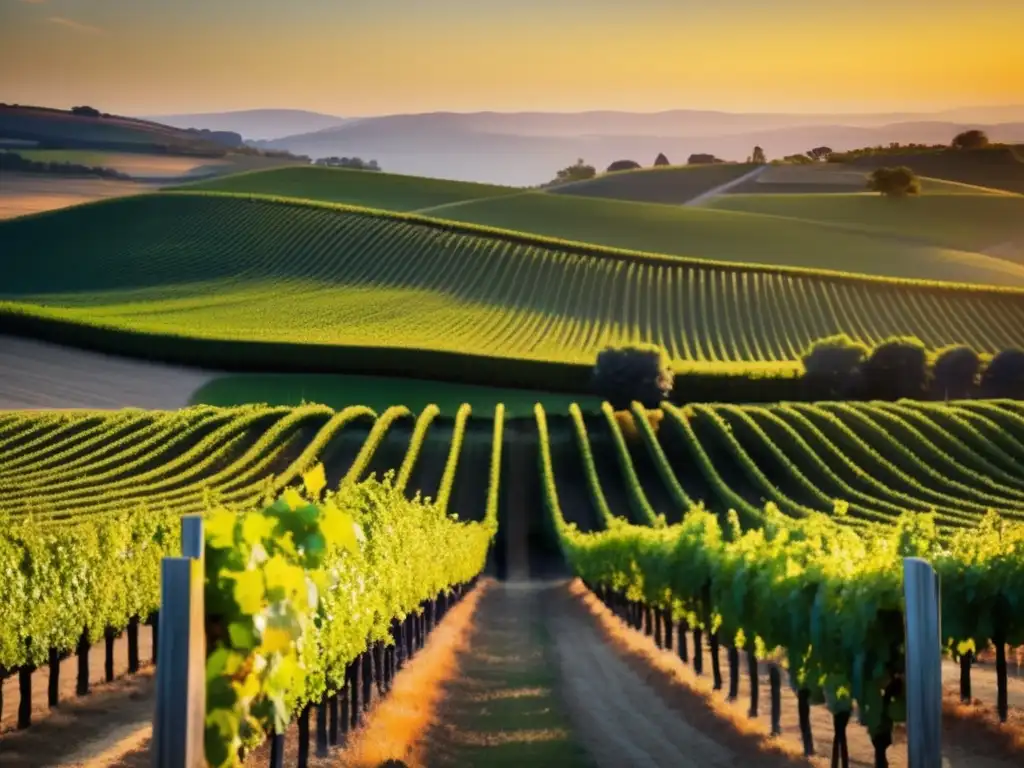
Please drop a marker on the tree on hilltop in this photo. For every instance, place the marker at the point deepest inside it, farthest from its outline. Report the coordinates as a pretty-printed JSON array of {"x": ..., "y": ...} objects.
[
  {"x": 1004, "y": 376},
  {"x": 623, "y": 165},
  {"x": 973, "y": 139},
  {"x": 578, "y": 171},
  {"x": 955, "y": 372},
  {"x": 758, "y": 156},
  {"x": 819, "y": 153},
  {"x": 894, "y": 182},
  {"x": 897, "y": 368},
  {"x": 661, "y": 160}
]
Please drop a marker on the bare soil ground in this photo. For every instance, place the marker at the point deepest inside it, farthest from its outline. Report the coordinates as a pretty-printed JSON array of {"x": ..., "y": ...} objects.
[
  {"x": 111, "y": 716},
  {"x": 519, "y": 673},
  {"x": 23, "y": 193},
  {"x": 539, "y": 685},
  {"x": 42, "y": 375},
  {"x": 971, "y": 736}
]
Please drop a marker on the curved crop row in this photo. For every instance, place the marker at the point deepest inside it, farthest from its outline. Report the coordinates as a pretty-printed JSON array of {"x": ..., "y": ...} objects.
[{"x": 454, "y": 452}]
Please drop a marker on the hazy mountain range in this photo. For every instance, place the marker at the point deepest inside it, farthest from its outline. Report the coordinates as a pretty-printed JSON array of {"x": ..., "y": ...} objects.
[
  {"x": 255, "y": 124},
  {"x": 526, "y": 148}
]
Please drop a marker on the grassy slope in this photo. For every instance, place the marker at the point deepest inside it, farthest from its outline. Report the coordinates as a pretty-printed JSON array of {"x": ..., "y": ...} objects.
[
  {"x": 970, "y": 222},
  {"x": 223, "y": 267},
  {"x": 667, "y": 184},
  {"x": 667, "y": 229},
  {"x": 372, "y": 189},
  {"x": 729, "y": 236}
]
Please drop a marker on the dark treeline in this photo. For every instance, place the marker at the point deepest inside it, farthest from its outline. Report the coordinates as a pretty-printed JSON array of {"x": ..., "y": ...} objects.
[
  {"x": 835, "y": 368},
  {"x": 13, "y": 162}
]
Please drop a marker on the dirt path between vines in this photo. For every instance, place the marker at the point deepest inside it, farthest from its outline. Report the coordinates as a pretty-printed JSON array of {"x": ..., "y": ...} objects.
[
  {"x": 538, "y": 685},
  {"x": 971, "y": 736}
]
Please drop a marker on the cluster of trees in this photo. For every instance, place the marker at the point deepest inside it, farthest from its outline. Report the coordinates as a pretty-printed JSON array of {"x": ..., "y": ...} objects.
[
  {"x": 972, "y": 139},
  {"x": 578, "y": 171},
  {"x": 816, "y": 155},
  {"x": 224, "y": 138},
  {"x": 836, "y": 367},
  {"x": 894, "y": 182},
  {"x": 348, "y": 162},
  {"x": 86, "y": 112},
  {"x": 13, "y": 162},
  {"x": 902, "y": 367},
  {"x": 701, "y": 158}
]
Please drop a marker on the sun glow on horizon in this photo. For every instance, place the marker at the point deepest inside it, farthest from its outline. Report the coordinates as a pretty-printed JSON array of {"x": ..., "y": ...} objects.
[{"x": 392, "y": 56}]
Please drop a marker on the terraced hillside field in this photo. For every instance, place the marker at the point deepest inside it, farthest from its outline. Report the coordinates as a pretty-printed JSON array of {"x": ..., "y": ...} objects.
[
  {"x": 727, "y": 235},
  {"x": 188, "y": 267},
  {"x": 672, "y": 185},
  {"x": 62, "y": 466}
]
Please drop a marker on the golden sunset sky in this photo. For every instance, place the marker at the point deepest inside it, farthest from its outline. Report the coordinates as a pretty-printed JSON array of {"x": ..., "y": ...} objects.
[{"x": 364, "y": 57}]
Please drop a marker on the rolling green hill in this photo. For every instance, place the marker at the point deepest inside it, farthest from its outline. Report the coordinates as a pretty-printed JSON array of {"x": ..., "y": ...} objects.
[
  {"x": 666, "y": 229},
  {"x": 223, "y": 278},
  {"x": 388, "y": 191},
  {"x": 666, "y": 184},
  {"x": 969, "y": 222}
]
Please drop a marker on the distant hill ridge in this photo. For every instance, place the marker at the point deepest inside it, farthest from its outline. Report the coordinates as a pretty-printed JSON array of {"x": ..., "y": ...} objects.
[{"x": 526, "y": 149}]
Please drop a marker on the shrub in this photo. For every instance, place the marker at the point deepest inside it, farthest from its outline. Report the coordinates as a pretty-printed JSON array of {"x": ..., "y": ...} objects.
[
  {"x": 623, "y": 165},
  {"x": 831, "y": 365},
  {"x": 837, "y": 355},
  {"x": 897, "y": 368},
  {"x": 955, "y": 373},
  {"x": 640, "y": 372},
  {"x": 1004, "y": 376},
  {"x": 894, "y": 182},
  {"x": 702, "y": 158},
  {"x": 661, "y": 160}
]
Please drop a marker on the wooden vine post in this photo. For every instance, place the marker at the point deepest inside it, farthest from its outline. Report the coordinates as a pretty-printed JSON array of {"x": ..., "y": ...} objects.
[
  {"x": 923, "y": 664},
  {"x": 181, "y": 665}
]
